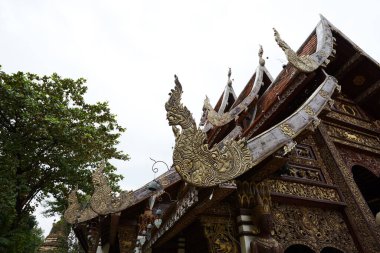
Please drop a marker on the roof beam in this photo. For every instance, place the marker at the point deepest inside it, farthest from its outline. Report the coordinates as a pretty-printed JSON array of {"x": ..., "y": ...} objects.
[
  {"x": 352, "y": 62},
  {"x": 365, "y": 94}
]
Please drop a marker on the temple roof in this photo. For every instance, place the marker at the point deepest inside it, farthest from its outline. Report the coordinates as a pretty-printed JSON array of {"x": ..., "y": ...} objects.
[
  {"x": 268, "y": 113},
  {"x": 219, "y": 123}
]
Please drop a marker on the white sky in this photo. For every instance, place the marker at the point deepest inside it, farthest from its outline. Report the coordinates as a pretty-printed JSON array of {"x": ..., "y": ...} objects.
[{"x": 129, "y": 51}]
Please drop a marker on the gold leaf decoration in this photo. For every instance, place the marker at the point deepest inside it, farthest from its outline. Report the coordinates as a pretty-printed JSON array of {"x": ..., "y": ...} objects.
[
  {"x": 324, "y": 94},
  {"x": 73, "y": 211},
  {"x": 196, "y": 163},
  {"x": 103, "y": 201},
  {"x": 309, "y": 110},
  {"x": 287, "y": 129}
]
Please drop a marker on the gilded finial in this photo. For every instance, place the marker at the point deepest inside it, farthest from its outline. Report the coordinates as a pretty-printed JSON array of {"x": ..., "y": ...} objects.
[
  {"x": 229, "y": 82},
  {"x": 261, "y": 59}
]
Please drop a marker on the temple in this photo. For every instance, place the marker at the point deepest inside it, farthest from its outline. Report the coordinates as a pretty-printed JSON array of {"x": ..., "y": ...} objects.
[{"x": 291, "y": 164}]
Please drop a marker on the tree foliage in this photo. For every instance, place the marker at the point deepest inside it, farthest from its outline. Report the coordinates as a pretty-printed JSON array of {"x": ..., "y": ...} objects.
[{"x": 50, "y": 141}]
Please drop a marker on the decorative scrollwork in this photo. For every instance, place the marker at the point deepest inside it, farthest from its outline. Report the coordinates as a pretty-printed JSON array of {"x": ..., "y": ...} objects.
[
  {"x": 303, "y": 190},
  {"x": 314, "y": 227},
  {"x": 193, "y": 159}
]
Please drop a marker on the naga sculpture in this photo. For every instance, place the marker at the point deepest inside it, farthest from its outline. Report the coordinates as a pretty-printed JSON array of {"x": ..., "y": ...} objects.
[
  {"x": 74, "y": 213},
  {"x": 202, "y": 166},
  {"x": 324, "y": 50},
  {"x": 103, "y": 201},
  {"x": 304, "y": 62},
  {"x": 198, "y": 164}
]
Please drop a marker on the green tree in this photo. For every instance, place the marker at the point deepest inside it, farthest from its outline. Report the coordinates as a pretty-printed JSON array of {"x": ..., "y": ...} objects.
[{"x": 50, "y": 141}]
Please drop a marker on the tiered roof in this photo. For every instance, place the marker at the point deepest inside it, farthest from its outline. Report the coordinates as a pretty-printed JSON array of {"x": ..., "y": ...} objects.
[{"x": 268, "y": 113}]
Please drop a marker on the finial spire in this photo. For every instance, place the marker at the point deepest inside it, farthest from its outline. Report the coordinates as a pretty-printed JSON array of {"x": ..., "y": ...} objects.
[
  {"x": 229, "y": 82},
  {"x": 261, "y": 59}
]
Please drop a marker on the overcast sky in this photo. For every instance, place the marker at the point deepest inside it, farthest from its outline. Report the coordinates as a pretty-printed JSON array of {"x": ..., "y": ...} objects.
[{"x": 129, "y": 51}]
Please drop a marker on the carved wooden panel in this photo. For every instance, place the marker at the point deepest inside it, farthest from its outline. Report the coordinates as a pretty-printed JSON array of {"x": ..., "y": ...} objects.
[
  {"x": 348, "y": 109},
  {"x": 127, "y": 238},
  {"x": 350, "y": 120},
  {"x": 304, "y": 151},
  {"x": 309, "y": 144},
  {"x": 354, "y": 138},
  {"x": 357, "y": 211},
  {"x": 355, "y": 157},
  {"x": 220, "y": 233},
  {"x": 301, "y": 172},
  {"x": 303, "y": 190},
  {"x": 314, "y": 227}
]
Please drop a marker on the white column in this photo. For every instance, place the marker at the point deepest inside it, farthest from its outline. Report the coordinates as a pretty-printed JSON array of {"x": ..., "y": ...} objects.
[
  {"x": 181, "y": 245},
  {"x": 245, "y": 232}
]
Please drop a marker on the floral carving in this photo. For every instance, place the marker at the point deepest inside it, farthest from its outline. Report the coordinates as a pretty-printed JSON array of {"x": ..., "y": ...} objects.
[
  {"x": 220, "y": 235},
  {"x": 303, "y": 190},
  {"x": 357, "y": 210},
  {"x": 314, "y": 227}
]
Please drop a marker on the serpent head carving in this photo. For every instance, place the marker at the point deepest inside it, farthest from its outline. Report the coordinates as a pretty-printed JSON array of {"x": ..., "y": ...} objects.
[
  {"x": 177, "y": 114},
  {"x": 73, "y": 211},
  {"x": 196, "y": 163}
]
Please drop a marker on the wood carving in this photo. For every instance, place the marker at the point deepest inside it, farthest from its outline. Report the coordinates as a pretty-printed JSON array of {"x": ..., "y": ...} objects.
[
  {"x": 201, "y": 166},
  {"x": 220, "y": 119},
  {"x": 220, "y": 238},
  {"x": 74, "y": 213},
  {"x": 263, "y": 241},
  {"x": 103, "y": 200},
  {"x": 315, "y": 227},
  {"x": 309, "y": 63},
  {"x": 193, "y": 159}
]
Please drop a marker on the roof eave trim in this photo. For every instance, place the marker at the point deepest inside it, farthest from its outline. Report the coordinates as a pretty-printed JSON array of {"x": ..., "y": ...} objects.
[{"x": 324, "y": 49}]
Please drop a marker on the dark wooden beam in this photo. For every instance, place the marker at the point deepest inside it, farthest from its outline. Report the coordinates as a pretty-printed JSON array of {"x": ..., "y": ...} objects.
[
  {"x": 115, "y": 218},
  {"x": 368, "y": 92},
  {"x": 352, "y": 62},
  {"x": 206, "y": 201}
]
